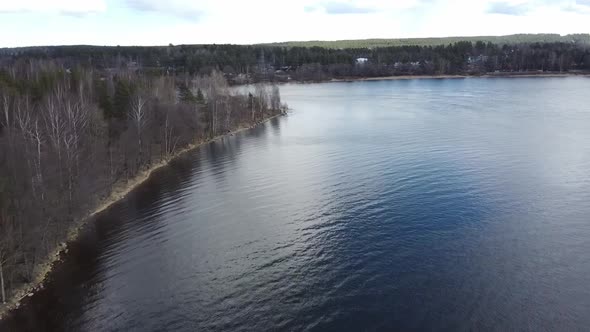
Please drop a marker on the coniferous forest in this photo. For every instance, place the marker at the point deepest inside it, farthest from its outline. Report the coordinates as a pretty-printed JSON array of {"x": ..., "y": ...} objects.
[{"x": 255, "y": 63}]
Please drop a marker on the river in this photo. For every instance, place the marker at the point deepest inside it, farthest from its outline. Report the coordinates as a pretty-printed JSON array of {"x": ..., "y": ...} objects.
[{"x": 435, "y": 204}]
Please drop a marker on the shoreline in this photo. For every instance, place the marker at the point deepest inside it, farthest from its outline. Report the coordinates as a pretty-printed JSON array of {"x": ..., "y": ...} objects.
[
  {"x": 120, "y": 191},
  {"x": 491, "y": 75}
]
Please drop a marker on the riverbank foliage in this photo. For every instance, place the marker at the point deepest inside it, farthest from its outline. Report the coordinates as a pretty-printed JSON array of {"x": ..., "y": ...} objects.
[
  {"x": 70, "y": 134},
  {"x": 256, "y": 63}
]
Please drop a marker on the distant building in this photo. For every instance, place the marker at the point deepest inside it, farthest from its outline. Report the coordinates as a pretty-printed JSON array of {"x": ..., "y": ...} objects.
[
  {"x": 361, "y": 61},
  {"x": 477, "y": 59}
]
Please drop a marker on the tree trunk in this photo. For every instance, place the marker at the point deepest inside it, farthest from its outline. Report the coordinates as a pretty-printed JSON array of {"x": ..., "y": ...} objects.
[
  {"x": 140, "y": 155},
  {"x": 2, "y": 282},
  {"x": 111, "y": 169}
]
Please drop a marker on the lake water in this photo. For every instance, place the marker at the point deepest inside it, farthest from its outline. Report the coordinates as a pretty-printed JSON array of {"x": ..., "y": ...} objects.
[{"x": 440, "y": 204}]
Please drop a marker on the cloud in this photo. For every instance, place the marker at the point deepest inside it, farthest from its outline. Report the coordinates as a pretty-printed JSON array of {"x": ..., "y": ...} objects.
[
  {"x": 506, "y": 8},
  {"x": 63, "y": 7},
  {"x": 184, "y": 9},
  {"x": 336, "y": 8},
  {"x": 346, "y": 8},
  {"x": 576, "y": 7},
  {"x": 159, "y": 22},
  {"x": 581, "y": 7}
]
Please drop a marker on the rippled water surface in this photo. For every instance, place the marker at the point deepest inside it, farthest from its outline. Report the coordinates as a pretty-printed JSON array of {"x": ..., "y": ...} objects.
[{"x": 388, "y": 205}]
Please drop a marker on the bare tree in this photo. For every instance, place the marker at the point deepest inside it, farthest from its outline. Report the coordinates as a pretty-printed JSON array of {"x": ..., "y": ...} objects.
[
  {"x": 6, "y": 118},
  {"x": 60, "y": 127},
  {"x": 139, "y": 117},
  {"x": 3, "y": 254},
  {"x": 7, "y": 239},
  {"x": 55, "y": 123},
  {"x": 261, "y": 95},
  {"x": 2, "y": 281},
  {"x": 2, "y": 262},
  {"x": 7, "y": 122},
  {"x": 32, "y": 132},
  {"x": 228, "y": 113},
  {"x": 275, "y": 98},
  {"x": 170, "y": 141},
  {"x": 77, "y": 116}
]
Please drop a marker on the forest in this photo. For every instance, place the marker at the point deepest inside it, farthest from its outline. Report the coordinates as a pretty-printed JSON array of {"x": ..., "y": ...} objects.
[
  {"x": 500, "y": 40},
  {"x": 242, "y": 64},
  {"x": 78, "y": 121},
  {"x": 70, "y": 135}
]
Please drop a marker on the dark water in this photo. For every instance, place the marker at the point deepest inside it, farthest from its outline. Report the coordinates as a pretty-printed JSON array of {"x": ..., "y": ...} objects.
[{"x": 392, "y": 205}]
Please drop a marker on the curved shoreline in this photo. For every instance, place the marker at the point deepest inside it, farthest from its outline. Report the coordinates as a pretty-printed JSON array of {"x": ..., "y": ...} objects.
[
  {"x": 119, "y": 192},
  {"x": 492, "y": 75}
]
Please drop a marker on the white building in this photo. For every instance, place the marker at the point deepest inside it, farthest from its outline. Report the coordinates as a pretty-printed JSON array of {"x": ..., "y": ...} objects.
[{"x": 361, "y": 61}]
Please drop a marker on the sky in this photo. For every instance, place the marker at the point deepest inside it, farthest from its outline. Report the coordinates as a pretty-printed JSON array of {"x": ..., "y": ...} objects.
[{"x": 154, "y": 22}]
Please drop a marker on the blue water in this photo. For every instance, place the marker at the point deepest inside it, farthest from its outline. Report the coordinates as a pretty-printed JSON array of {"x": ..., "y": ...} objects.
[{"x": 444, "y": 204}]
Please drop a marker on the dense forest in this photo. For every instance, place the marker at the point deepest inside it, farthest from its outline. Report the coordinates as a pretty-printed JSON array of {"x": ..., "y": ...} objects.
[
  {"x": 500, "y": 40},
  {"x": 69, "y": 136},
  {"x": 255, "y": 63}
]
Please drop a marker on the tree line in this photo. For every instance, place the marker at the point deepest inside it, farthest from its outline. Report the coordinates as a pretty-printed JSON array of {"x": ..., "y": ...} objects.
[
  {"x": 70, "y": 135},
  {"x": 384, "y": 42},
  {"x": 254, "y": 63}
]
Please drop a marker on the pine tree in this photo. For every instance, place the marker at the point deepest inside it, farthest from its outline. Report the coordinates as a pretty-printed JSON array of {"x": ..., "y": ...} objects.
[
  {"x": 104, "y": 100},
  {"x": 200, "y": 98},
  {"x": 185, "y": 94},
  {"x": 121, "y": 100}
]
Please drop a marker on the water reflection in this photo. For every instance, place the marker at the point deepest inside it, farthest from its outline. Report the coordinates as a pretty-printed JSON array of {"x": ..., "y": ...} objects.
[{"x": 431, "y": 204}]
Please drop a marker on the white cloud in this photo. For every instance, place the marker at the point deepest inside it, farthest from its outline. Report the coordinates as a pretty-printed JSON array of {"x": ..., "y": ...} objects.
[
  {"x": 190, "y": 10},
  {"x": 361, "y": 7},
  {"x": 507, "y": 8},
  {"x": 157, "y": 22},
  {"x": 74, "y": 7}
]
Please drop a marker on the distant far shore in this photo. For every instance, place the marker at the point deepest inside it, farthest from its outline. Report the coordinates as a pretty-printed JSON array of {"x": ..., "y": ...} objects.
[{"x": 490, "y": 75}]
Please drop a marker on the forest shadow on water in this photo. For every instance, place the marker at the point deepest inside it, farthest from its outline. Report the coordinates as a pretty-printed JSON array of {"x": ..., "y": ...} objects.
[
  {"x": 447, "y": 204},
  {"x": 60, "y": 303}
]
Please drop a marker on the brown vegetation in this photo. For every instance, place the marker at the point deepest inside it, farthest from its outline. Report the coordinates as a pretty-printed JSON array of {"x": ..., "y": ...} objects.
[{"x": 69, "y": 139}]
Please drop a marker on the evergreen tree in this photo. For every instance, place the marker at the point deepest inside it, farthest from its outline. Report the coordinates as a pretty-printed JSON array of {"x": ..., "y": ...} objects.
[
  {"x": 185, "y": 94},
  {"x": 104, "y": 100},
  {"x": 121, "y": 100},
  {"x": 200, "y": 99}
]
